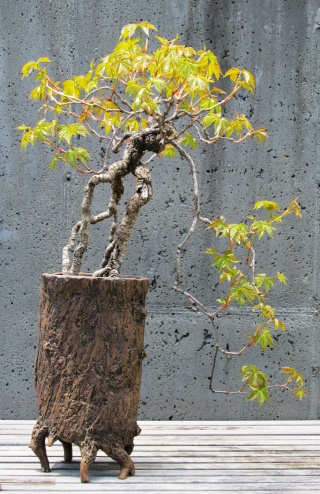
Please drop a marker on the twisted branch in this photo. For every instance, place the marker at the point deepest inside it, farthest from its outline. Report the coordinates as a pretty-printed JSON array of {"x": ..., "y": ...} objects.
[{"x": 150, "y": 139}]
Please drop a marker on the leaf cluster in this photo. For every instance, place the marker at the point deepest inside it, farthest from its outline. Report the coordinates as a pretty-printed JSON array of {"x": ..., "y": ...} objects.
[
  {"x": 246, "y": 287},
  {"x": 131, "y": 89}
]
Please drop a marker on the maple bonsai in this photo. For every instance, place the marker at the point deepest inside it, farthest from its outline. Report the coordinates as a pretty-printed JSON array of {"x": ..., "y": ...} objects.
[{"x": 144, "y": 104}]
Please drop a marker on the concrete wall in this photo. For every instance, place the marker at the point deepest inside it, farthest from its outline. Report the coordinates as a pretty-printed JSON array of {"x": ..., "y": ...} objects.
[{"x": 278, "y": 40}]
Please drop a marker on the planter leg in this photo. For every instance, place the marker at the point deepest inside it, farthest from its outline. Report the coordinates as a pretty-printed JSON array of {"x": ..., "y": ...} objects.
[
  {"x": 88, "y": 455},
  {"x": 118, "y": 454},
  {"x": 67, "y": 450},
  {"x": 38, "y": 445}
]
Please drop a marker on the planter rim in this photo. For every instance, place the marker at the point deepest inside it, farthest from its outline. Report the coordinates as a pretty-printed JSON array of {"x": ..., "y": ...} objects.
[{"x": 89, "y": 275}]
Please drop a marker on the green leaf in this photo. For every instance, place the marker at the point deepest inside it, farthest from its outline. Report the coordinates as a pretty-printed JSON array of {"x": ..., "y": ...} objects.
[
  {"x": 268, "y": 205},
  {"x": 43, "y": 60},
  {"x": 189, "y": 140},
  {"x": 128, "y": 31},
  {"x": 146, "y": 26},
  {"x": 29, "y": 67},
  {"x": 229, "y": 275},
  {"x": 211, "y": 251},
  {"x": 82, "y": 82},
  {"x": 170, "y": 151},
  {"x": 37, "y": 93},
  {"x": 248, "y": 77},
  {"x": 267, "y": 311},
  {"x": 300, "y": 393},
  {"x": 243, "y": 292},
  {"x": 263, "y": 338},
  {"x": 296, "y": 208},
  {"x": 262, "y": 279},
  {"x": 260, "y": 134},
  {"x": 261, "y": 394},
  {"x": 233, "y": 73},
  {"x": 159, "y": 84},
  {"x": 253, "y": 376},
  {"x": 237, "y": 124},
  {"x": 66, "y": 132},
  {"x": 239, "y": 233},
  {"x": 77, "y": 154},
  {"x": 224, "y": 260},
  {"x": 70, "y": 88},
  {"x": 220, "y": 226},
  {"x": 279, "y": 324},
  {"x": 53, "y": 164},
  {"x": 261, "y": 227},
  {"x": 198, "y": 83},
  {"x": 213, "y": 65},
  {"x": 70, "y": 157},
  {"x": 83, "y": 154},
  {"x": 281, "y": 277}
]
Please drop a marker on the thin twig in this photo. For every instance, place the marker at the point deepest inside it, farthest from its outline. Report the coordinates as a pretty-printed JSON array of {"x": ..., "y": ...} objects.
[{"x": 196, "y": 212}]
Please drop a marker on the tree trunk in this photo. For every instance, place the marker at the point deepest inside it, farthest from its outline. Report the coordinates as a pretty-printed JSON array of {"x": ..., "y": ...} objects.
[{"x": 88, "y": 367}]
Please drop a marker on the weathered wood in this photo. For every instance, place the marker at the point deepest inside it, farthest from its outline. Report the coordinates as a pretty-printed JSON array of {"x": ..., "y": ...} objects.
[
  {"x": 244, "y": 463},
  {"x": 88, "y": 368}
]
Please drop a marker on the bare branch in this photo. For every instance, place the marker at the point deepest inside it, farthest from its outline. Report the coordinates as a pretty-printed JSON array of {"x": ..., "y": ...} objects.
[
  {"x": 123, "y": 101},
  {"x": 194, "y": 302},
  {"x": 116, "y": 148},
  {"x": 149, "y": 159},
  {"x": 97, "y": 133},
  {"x": 69, "y": 248},
  {"x": 196, "y": 212}
]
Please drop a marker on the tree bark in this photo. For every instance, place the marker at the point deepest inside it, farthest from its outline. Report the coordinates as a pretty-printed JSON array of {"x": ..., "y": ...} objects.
[{"x": 88, "y": 367}]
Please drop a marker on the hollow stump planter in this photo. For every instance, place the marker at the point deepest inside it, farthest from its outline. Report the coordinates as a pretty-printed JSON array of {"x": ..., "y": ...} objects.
[{"x": 88, "y": 367}]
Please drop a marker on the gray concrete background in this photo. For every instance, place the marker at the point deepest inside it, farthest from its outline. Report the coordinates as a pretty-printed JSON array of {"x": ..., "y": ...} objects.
[{"x": 278, "y": 40}]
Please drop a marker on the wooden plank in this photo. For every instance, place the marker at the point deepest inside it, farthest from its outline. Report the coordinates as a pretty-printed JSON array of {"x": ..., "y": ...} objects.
[
  {"x": 211, "y": 462},
  {"x": 219, "y": 485},
  {"x": 157, "y": 477},
  {"x": 175, "y": 437},
  {"x": 312, "y": 428},
  {"x": 188, "y": 456},
  {"x": 155, "y": 471},
  {"x": 57, "y": 450},
  {"x": 146, "y": 477},
  {"x": 216, "y": 489},
  {"x": 170, "y": 457}
]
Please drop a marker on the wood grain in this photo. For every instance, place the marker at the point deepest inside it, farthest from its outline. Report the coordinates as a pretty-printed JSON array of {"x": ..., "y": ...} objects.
[{"x": 196, "y": 459}]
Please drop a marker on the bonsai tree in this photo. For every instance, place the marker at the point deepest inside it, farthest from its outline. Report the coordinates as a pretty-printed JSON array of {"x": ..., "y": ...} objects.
[
  {"x": 141, "y": 103},
  {"x": 145, "y": 103}
]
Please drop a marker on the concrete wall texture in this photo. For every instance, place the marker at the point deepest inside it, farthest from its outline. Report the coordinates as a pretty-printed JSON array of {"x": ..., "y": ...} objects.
[{"x": 278, "y": 40}]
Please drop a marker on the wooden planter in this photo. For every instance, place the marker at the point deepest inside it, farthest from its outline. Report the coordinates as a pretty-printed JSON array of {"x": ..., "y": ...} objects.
[{"x": 88, "y": 367}]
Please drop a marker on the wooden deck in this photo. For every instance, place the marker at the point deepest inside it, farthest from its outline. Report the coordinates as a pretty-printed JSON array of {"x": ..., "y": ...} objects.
[{"x": 170, "y": 457}]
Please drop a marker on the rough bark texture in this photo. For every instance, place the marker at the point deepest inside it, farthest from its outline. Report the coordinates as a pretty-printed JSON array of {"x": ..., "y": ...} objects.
[
  {"x": 150, "y": 139},
  {"x": 88, "y": 368}
]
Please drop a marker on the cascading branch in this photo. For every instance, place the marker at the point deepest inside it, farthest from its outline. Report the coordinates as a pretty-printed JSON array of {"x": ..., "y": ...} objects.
[
  {"x": 236, "y": 267},
  {"x": 149, "y": 104}
]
